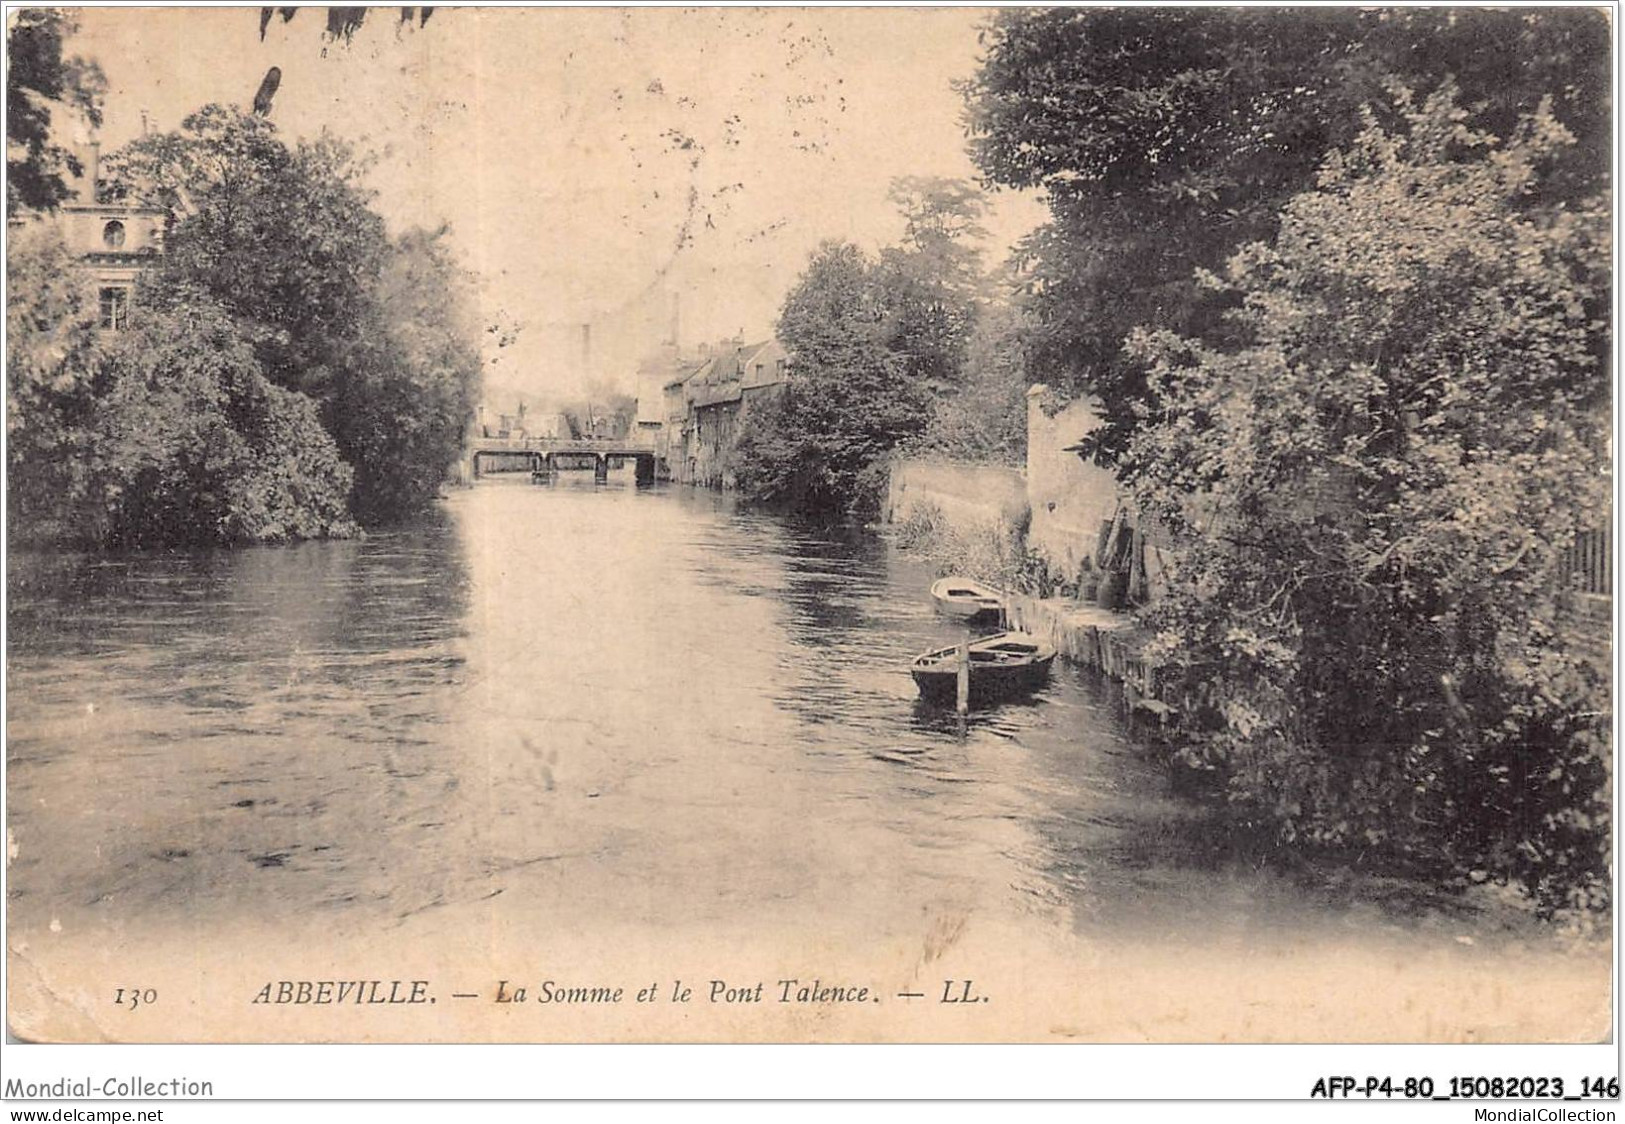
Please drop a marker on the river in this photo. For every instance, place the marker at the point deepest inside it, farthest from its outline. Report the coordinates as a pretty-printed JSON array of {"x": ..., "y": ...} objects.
[{"x": 614, "y": 730}]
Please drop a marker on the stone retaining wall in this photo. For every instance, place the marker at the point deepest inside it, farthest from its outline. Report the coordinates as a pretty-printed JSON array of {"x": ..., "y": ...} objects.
[
  {"x": 1069, "y": 497},
  {"x": 966, "y": 495}
]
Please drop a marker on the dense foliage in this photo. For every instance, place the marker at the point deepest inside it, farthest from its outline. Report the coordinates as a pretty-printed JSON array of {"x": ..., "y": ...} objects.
[
  {"x": 38, "y": 78},
  {"x": 984, "y": 417},
  {"x": 283, "y": 237},
  {"x": 167, "y": 432},
  {"x": 1371, "y": 495},
  {"x": 819, "y": 446},
  {"x": 400, "y": 406},
  {"x": 192, "y": 443},
  {"x": 289, "y": 370},
  {"x": 1165, "y": 138},
  {"x": 909, "y": 349},
  {"x": 52, "y": 358},
  {"x": 932, "y": 280},
  {"x": 378, "y": 333}
]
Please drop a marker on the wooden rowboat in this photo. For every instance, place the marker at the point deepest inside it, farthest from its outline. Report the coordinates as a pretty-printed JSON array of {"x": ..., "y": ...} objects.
[
  {"x": 966, "y": 598},
  {"x": 1001, "y": 666}
]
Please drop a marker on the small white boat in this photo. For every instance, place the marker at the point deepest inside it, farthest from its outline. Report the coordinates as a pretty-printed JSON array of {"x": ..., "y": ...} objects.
[{"x": 967, "y": 598}]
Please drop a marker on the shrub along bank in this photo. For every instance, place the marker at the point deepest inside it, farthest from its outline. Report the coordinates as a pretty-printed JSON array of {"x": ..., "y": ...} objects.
[{"x": 289, "y": 370}]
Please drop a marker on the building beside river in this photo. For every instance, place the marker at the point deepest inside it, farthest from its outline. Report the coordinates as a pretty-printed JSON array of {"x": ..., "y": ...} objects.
[
  {"x": 115, "y": 240},
  {"x": 705, "y": 398}
]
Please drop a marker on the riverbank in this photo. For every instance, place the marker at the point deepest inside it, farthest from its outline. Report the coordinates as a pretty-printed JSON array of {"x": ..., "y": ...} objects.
[
  {"x": 1103, "y": 640},
  {"x": 969, "y": 520},
  {"x": 965, "y": 519}
]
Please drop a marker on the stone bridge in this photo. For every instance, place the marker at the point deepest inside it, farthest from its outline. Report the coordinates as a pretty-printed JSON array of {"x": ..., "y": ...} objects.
[{"x": 542, "y": 456}]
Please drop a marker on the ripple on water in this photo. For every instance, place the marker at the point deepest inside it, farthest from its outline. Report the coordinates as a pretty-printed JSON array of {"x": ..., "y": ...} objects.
[{"x": 653, "y": 703}]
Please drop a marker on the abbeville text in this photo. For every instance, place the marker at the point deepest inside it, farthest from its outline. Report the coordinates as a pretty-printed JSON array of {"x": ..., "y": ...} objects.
[{"x": 332, "y": 992}]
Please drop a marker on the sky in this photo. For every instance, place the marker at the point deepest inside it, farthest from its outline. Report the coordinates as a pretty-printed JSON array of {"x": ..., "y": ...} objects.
[{"x": 596, "y": 166}]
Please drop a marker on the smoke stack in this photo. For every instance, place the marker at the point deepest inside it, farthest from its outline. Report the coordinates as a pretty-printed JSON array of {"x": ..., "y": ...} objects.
[{"x": 586, "y": 348}]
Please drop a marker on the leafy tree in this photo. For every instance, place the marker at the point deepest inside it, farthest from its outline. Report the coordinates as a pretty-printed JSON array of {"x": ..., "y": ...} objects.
[
  {"x": 820, "y": 446},
  {"x": 38, "y": 78},
  {"x": 192, "y": 444},
  {"x": 52, "y": 360},
  {"x": 285, "y": 238},
  {"x": 1166, "y": 138},
  {"x": 402, "y": 411},
  {"x": 933, "y": 281},
  {"x": 165, "y": 433},
  {"x": 875, "y": 347},
  {"x": 985, "y": 418},
  {"x": 378, "y": 333},
  {"x": 1371, "y": 497}
]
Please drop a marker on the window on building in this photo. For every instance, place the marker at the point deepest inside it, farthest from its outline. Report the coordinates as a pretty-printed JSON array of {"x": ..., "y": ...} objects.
[
  {"x": 779, "y": 368},
  {"x": 115, "y": 309},
  {"x": 113, "y": 235},
  {"x": 760, "y": 367}
]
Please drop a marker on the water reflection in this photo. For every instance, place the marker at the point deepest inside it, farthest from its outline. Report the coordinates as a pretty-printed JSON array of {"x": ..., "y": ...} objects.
[{"x": 588, "y": 705}]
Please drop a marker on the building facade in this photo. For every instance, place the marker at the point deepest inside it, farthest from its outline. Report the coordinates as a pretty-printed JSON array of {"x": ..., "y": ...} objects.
[
  {"x": 707, "y": 400},
  {"x": 116, "y": 241}
]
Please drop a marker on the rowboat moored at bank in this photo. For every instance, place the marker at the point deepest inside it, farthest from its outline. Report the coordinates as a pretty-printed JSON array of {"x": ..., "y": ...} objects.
[
  {"x": 1000, "y": 666},
  {"x": 967, "y": 598}
]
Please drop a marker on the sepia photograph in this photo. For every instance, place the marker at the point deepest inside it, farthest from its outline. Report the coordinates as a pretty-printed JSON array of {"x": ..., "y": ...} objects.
[{"x": 810, "y": 525}]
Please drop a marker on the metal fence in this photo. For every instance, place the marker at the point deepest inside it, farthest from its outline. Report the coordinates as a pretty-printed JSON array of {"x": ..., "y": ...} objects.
[{"x": 1589, "y": 563}]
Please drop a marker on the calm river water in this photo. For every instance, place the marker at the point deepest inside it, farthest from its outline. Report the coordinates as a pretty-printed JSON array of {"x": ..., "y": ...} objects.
[{"x": 598, "y": 710}]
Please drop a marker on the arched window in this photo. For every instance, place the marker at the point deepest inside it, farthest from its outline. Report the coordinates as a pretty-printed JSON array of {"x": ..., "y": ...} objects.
[{"x": 113, "y": 235}]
